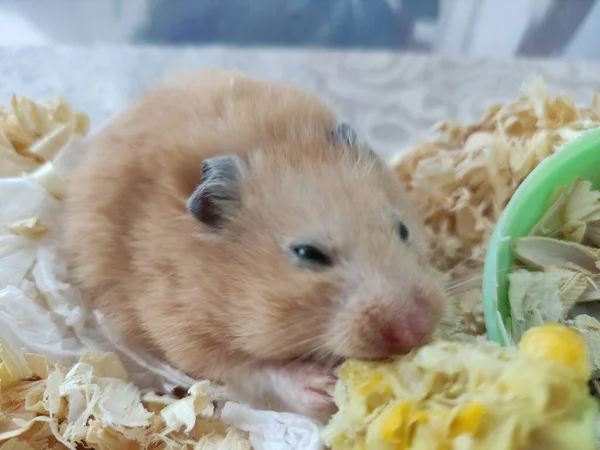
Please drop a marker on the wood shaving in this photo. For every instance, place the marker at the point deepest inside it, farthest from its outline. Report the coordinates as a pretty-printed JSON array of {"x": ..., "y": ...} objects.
[
  {"x": 48, "y": 177},
  {"x": 31, "y": 227},
  {"x": 32, "y": 133},
  {"x": 464, "y": 177},
  {"x": 92, "y": 405},
  {"x": 589, "y": 327},
  {"x": 539, "y": 297},
  {"x": 541, "y": 252}
]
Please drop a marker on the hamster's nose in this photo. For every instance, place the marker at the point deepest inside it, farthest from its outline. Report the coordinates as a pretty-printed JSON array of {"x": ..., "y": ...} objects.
[
  {"x": 403, "y": 336},
  {"x": 408, "y": 329}
]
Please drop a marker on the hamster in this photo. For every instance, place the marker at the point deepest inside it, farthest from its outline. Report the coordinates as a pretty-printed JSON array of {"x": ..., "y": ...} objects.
[{"x": 243, "y": 234}]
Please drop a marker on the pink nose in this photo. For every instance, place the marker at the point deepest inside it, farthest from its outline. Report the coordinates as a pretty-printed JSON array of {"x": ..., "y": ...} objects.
[{"x": 401, "y": 337}]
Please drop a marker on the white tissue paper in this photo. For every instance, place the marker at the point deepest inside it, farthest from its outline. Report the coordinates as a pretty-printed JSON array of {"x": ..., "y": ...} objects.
[
  {"x": 273, "y": 431},
  {"x": 58, "y": 326}
]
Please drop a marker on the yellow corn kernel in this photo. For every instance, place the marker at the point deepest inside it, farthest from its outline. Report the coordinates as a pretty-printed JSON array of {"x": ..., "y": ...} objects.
[
  {"x": 400, "y": 421},
  {"x": 560, "y": 344},
  {"x": 375, "y": 385},
  {"x": 395, "y": 420},
  {"x": 446, "y": 444},
  {"x": 468, "y": 420},
  {"x": 420, "y": 417}
]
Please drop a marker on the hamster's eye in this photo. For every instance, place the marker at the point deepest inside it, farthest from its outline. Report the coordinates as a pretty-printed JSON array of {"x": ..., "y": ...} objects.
[
  {"x": 403, "y": 232},
  {"x": 311, "y": 255}
]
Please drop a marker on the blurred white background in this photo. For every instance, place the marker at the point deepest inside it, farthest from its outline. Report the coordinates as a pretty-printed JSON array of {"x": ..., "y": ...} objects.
[{"x": 565, "y": 29}]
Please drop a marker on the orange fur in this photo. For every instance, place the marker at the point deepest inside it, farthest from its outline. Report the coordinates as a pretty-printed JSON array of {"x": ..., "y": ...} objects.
[{"x": 227, "y": 306}]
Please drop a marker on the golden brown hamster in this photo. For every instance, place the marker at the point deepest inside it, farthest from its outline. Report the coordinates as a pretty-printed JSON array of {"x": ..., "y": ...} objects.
[{"x": 241, "y": 232}]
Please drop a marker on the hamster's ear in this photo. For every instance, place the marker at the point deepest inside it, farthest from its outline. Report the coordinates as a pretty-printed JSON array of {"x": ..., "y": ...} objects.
[
  {"x": 218, "y": 196},
  {"x": 346, "y": 135}
]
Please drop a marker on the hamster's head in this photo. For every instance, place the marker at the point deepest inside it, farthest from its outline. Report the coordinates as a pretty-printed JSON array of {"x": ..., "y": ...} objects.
[{"x": 326, "y": 252}]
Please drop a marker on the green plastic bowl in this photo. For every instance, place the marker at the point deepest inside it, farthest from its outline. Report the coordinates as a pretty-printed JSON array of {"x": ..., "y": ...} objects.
[{"x": 579, "y": 158}]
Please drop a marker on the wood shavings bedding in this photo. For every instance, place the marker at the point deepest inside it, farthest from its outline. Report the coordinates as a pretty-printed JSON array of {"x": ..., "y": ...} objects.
[
  {"x": 464, "y": 177},
  {"x": 45, "y": 405},
  {"x": 31, "y": 135}
]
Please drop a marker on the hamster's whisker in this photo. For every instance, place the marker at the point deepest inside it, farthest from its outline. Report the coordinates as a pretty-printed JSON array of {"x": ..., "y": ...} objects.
[
  {"x": 463, "y": 286},
  {"x": 284, "y": 333},
  {"x": 321, "y": 355},
  {"x": 297, "y": 345},
  {"x": 295, "y": 333},
  {"x": 342, "y": 343},
  {"x": 317, "y": 355}
]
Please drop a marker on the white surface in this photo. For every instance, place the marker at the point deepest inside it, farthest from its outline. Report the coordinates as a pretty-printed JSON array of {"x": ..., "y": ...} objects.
[
  {"x": 585, "y": 43},
  {"x": 16, "y": 30},
  {"x": 455, "y": 26},
  {"x": 486, "y": 28},
  {"x": 83, "y": 21},
  {"x": 499, "y": 27}
]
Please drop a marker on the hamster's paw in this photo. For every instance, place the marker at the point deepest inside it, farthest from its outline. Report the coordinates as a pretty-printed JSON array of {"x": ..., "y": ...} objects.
[{"x": 305, "y": 389}]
